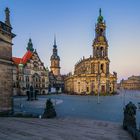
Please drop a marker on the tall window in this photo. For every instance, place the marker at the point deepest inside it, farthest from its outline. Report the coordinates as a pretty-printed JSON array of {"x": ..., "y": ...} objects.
[
  {"x": 20, "y": 78},
  {"x": 27, "y": 86},
  {"x": 102, "y": 52},
  {"x": 98, "y": 52},
  {"x": 92, "y": 68},
  {"x": 87, "y": 89},
  {"x": 27, "y": 78},
  {"x": 78, "y": 86},
  {"x": 102, "y": 67},
  {"x": 103, "y": 89},
  {"x": 43, "y": 79}
]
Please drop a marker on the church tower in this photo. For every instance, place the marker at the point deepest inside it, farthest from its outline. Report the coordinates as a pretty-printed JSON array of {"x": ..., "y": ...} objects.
[
  {"x": 100, "y": 46},
  {"x": 55, "y": 60},
  {"x": 91, "y": 75},
  {"x": 6, "y": 66}
]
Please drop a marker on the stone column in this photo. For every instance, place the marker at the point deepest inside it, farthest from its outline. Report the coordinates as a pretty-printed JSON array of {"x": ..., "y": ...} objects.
[{"x": 6, "y": 66}]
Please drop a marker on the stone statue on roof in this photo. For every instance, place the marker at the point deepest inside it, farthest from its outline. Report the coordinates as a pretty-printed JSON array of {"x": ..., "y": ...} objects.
[{"x": 30, "y": 46}]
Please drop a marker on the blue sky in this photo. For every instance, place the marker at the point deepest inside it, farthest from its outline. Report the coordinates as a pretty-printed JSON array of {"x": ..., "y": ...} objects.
[{"x": 73, "y": 22}]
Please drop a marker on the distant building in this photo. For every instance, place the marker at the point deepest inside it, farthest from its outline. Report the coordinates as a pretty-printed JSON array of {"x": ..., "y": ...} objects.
[
  {"x": 6, "y": 79},
  {"x": 132, "y": 83},
  {"x": 30, "y": 71},
  {"x": 55, "y": 78},
  {"x": 91, "y": 75}
]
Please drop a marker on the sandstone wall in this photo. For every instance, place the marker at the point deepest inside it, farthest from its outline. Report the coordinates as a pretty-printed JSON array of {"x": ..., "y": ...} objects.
[{"x": 6, "y": 85}]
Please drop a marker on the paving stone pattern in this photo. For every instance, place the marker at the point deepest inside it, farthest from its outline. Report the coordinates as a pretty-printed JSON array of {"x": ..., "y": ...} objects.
[{"x": 60, "y": 129}]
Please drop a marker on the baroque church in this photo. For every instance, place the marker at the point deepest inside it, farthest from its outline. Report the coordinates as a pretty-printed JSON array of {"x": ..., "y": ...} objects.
[
  {"x": 91, "y": 75},
  {"x": 29, "y": 71},
  {"x": 6, "y": 85}
]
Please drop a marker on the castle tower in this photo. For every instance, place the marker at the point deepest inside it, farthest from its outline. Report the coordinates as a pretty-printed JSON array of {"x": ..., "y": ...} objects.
[
  {"x": 100, "y": 46},
  {"x": 55, "y": 60},
  {"x": 6, "y": 77}
]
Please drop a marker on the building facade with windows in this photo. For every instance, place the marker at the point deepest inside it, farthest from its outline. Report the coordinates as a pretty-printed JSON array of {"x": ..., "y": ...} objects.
[
  {"x": 29, "y": 71},
  {"x": 132, "y": 83},
  {"x": 92, "y": 75}
]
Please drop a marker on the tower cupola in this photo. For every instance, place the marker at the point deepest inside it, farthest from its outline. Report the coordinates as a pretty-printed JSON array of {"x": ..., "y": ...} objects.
[{"x": 100, "y": 18}]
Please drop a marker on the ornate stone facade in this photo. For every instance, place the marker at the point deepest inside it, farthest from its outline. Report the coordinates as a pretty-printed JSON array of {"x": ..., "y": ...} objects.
[
  {"x": 132, "y": 83},
  {"x": 30, "y": 71},
  {"x": 91, "y": 75},
  {"x": 6, "y": 79}
]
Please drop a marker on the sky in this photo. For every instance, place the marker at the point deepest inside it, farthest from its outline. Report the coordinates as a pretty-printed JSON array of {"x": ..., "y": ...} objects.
[{"x": 73, "y": 23}]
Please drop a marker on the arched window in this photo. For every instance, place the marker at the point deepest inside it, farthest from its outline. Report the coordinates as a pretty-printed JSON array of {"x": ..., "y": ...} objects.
[
  {"x": 78, "y": 86},
  {"x": 20, "y": 78},
  {"x": 92, "y": 68},
  {"x": 36, "y": 79},
  {"x": 43, "y": 79},
  {"x": 14, "y": 85},
  {"x": 87, "y": 89},
  {"x": 98, "y": 52},
  {"x": 102, "y": 52},
  {"x": 101, "y": 32},
  {"x": 27, "y": 78},
  {"x": 102, "y": 67},
  {"x": 103, "y": 89},
  {"x": 27, "y": 86}
]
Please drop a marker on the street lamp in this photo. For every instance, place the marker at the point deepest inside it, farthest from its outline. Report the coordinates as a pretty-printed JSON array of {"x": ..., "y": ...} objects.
[
  {"x": 20, "y": 72},
  {"x": 123, "y": 92},
  {"x": 98, "y": 101}
]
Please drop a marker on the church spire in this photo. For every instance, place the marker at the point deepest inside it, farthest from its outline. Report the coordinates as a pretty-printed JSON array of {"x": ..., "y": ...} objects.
[
  {"x": 7, "y": 16},
  {"x": 54, "y": 40},
  {"x": 30, "y": 45},
  {"x": 100, "y": 18},
  {"x": 55, "y": 46},
  {"x": 100, "y": 11}
]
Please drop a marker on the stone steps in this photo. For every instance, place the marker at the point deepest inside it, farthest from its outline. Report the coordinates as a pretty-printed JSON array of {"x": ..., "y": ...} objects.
[{"x": 60, "y": 129}]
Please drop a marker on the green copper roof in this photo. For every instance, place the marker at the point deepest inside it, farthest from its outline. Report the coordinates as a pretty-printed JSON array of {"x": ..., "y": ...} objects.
[
  {"x": 30, "y": 46},
  {"x": 100, "y": 18},
  {"x": 20, "y": 65}
]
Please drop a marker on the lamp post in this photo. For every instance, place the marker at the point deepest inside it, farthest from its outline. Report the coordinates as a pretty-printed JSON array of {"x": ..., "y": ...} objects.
[
  {"x": 20, "y": 80},
  {"x": 98, "y": 101},
  {"x": 124, "y": 97},
  {"x": 123, "y": 92},
  {"x": 87, "y": 90}
]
